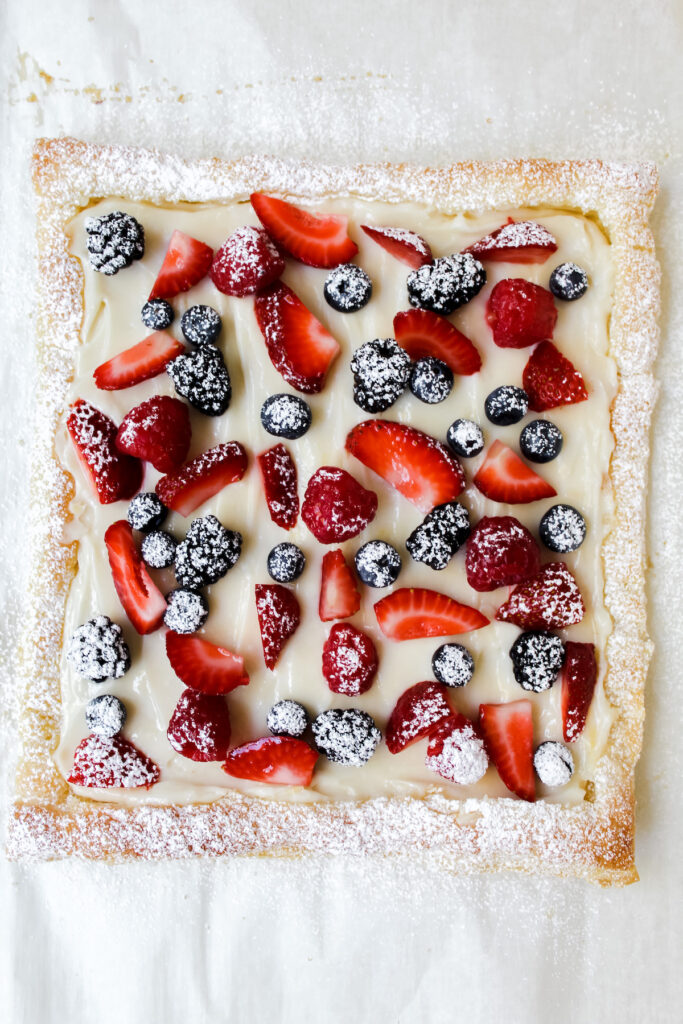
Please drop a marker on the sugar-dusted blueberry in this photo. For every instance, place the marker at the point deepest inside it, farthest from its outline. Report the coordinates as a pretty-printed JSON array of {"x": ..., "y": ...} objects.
[
  {"x": 506, "y": 405},
  {"x": 347, "y": 288},
  {"x": 537, "y": 657},
  {"x": 114, "y": 241},
  {"x": 568, "y": 282},
  {"x": 187, "y": 611},
  {"x": 207, "y": 553},
  {"x": 203, "y": 379},
  {"x": 446, "y": 284},
  {"x": 554, "y": 763},
  {"x": 286, "y": 562},
  {"x": 287, "y": 718},
  {"x": 380, "y": 373},
  {"x": 105, "y": 715},
  {"x": 201, "y": 325},
  {"x": 541, "y": 441},
  {"x": 452, "y": 665},
  {"x": 346, "y": 736},
  {"x": 98, "y": 650},
  {"x": 378, "y": 563},
  {"x": 287, "y": 416},
  {"x": 431, "y": 380},
  {"x": 146, "y": 512},
  {"x": 157, "y": 314},
  {"x": 466, "y": 438},
  {"x": 439, "y": 535},
  {"x": 158, "y": 549},
  {"x": 562, "y": 529}
]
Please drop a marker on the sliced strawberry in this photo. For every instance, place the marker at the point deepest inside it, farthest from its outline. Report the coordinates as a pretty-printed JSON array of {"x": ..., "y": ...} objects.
[
  {"x": 523, "y": 241},
  {"x": 404, "y": 245},
  {"x": 316, "y": 241},
  {"x": 279, "y": 476},
  {"x": 520, "y": 313},
  {"x": 412, "y": 612},
  {"x": 112, "y": 763},
  {"x": 500, "y": 552},
  {"x": 142, "y": 601},
  {"x": 419, "y": 467},
  {"x": 503, "y": 476},
  {"x": 550, "y": 379},
  {"x": 300, "y": 348},
  {"x": 141, "y": 362},
  {"x": 246, "y": 262},
  {"x": 349, "y": 660},
  {"x": 279, "y": 760},
  {"x": 203, "y": 666},
  {"x": 339, "y": 595},
  {"x": 200, "y": 727},
  {"x": 549, "y": 600},
  {"x": 202, "y": 477},
  {"x": 456, "y": 751},
  {"x": 579, "y": 676},
  {"x": 279, "y": 616},
  {"x": 115, "y": 476},
  {"x": 336, "y": 507},
  {"x": 509, "y": 737},
  {"x": 157, "y": 431},
  {"x": 186, "y": 262},
  {"x": 417, "y": 711},
  {"x": 422, "y": 333}
]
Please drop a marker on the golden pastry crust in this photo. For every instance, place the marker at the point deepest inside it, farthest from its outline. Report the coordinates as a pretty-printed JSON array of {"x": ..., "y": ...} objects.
[{"x": 593, "y": 840}]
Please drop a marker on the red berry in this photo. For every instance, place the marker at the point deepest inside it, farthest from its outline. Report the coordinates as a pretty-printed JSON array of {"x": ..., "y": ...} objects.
[
  {"x": 115, "y": 476},
  {"x": 410, "y": 613},
  {"x": 317, "y": 241},
  {"x": 500, "y": 552},
  {"x": 418, "y": 710},
  {"x": 456, "y": 751},
  {"x": 549, "y": 600},
  {"x": 523, "y": 241},
  {"x": 336, "y": 507},
  {"x": 503, "y": 477},
  {"x": 349, "y": 660},
  {"x": 509, "y": 737},
  {"x": 104, "y": 763},
  {"x": 200, "y": 727},
  {"x": 186, "y": 262},
  {"x": 406, "y": 246},
  {"x": 550, "y": 379},
  {"x": 520, "y": 313},
  {"x": 157, "y": 431},
  {"x": 300, "y": 348},
  {"x": 203, "y": 666},
  {"x": 579, "y": 676},
  {"x": 279, "y": 616},
  {"x": 339, "y": 597},
  {"x": 141, "y": 362},
  {"x": 142, "y": 601},
  {"x": 198, "y": 480},
  {"x": 279, "y": 476},
  {"x": 423, "y": 333},
  {"x": 279, "y": 760},
  {"x": 246, "y": 262}
]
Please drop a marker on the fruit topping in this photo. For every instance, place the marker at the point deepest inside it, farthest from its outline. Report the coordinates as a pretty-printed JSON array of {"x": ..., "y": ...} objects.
[
  {"x": 549, "y": 600},
  {"x": 466, "y": 438},
  {"x": 204, "y": 666},
  {"x": 509, "y": 738},
  {"x": 98, "y": 651},
  {"x": 503, "y": 477},
  {"x": 422, "y": 334},
  {"x": 158, "y": 549},
  {"x": 246, "y": 262},
  {"x": 287, "y": 718},
  {"x": 186, "y": 262},
  {"x": 278, "y": 760},
  {"x": 200, "y": 727},
  {"x": 114, "y": 241},
  {"x": 115, "y": 476},
  {"x": 456, "y": 751},
  {"x": 550, "y": 379},
  {"x": 201, "y": 325},
  {"x": 418, "y": 466},
  {"x": 522, "y": 241},
  {"x": 380, "y": 373},
  {"x": 202, "y": 477},
  {"x": 157, "y": 431},
  {"x": 417, "y": 711},
  {"x": 579, "y": 676},
  {"x": 286, "y": 416},
  {"x": 339, "y": 595},
  {"x": 146, "y": 512},
  {"x": 453, "y": 665},
  {"x": 562, "y": 529},
  {"x": 506, "y": 405},
  {"x": 500, "y": 552},
  {"x": 520, "y": 313},
  {"x": 541, "y": 441},
  {"x": 536, "y": 660},
  {"x": 411, "y": 613},
  {"x": 446, "y": 284},
  {"x": 141, "y": 600},
  {"x": 568, "y": 282},
  {"x": 105, "y": 715},
  {"x": 286, "y": 562},
  {"x": 143, "y": 361},
  {"x": 348, "y": 736},
  {"x": 378, "y": 563},
  {"x": 347, "y": 288},
  {"x": 187, "y": 611},
  {"x": 112, "y": 763},
  {"x": 203, "y": 379},
  {"x": 279, "y": 616},
  {"x": 336, "y": 507},
  {"x": 403, "y": 245},
  {"x": 157, "y": 314},
  {"x": 431, "y": 380},
  {"x": 279, "y": 476},
  {"x": 553, "y": 763},
  {"x": 439, "y": 535},
  {"x": 319, "y": 241},
  {"x": 207, "y": 553},
  {"x": 298, "y": 345},
  {"x": 349, "y": 660}
]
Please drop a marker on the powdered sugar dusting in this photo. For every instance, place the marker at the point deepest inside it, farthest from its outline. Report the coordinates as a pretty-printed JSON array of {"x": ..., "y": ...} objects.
[
  {"x": 459, "y": 756},
  {"x": 519, "y": 235}
]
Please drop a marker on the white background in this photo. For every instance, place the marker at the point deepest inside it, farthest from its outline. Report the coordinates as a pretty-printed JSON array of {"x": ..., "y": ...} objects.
[{"x": 340, "y": 941}]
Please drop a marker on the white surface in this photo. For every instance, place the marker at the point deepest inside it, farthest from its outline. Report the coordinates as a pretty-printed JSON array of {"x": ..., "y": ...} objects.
[{"x": 341, "y": 940}]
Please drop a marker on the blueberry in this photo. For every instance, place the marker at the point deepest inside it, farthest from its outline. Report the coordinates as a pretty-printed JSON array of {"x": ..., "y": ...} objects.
[
  {"x": 286, "y": 562},
  {"x": 158, "y": 549},
  {"x": 286, "y": 416},
  {"x": 146, "y": 512},
  {"x": 568, "y": 282},
  {"x": 98, "y": 651},
  {"x": 541, "y": 441},
  {"x": 347, "y": 736},
  {"x": 537, "y": 657},
  {"x": 105, "y": 715},
  {"x": 440, "y": 534},
  {"x": 347, "y": 288},
  {"x": 446, "y": 284},
  {"x": 207, "y": 553},
  {"x": 554, "y": 763},
  {"x": 187, "y": 611},
  {"x": 114, "y": 241},
  {"x": 431, "y": 380},
  {"x": 453, "y": 665},
  {"x": 201, "y": 325},
  {"x": 562, "y": 529},
  {"x": 378, "y": 563},
  {"x": 157, "y": 314},
  {"x": 380, "y": 373},
  {"x": 287, "y": 718},
  {"x": 506, "y": 405},
  {"x": 203, "y": 379},
  {"x": 465, "y": 438}
]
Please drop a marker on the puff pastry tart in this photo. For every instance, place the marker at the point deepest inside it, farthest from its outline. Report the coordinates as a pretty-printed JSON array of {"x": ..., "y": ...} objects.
[{"x": 339, "y": 479}]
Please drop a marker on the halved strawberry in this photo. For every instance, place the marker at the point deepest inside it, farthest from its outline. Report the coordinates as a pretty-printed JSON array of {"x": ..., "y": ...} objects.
[
  {"x": 143, "y": 361},
  {"x": 509, "y": 737},
  {"x": 279, "y": 476},
  {"x": 203, "y": 666},
  {"x": 550, "y": 379},
  {"x": 503, "y": 477},
  {"x": 417, "y": 711},
  {"x": 456, "y": 751},
  {"x": 246, "y": 262},
  {"x": 423, "y": 333},
  {"x": 202, "y": 477},
  {"x": 157, "y": 431},
  {"x": 520, "y": 313},
  {"x": 300, "y": 348},
  {"x": 279, "y": 616},
  {"x": 142, "y": 601},
  {"x": 339, "y": 595},
  {"x": 579, "y": 676},
  {"x": 549, "y": 600},
  {"x": 186, "y": 262},
  {"x": 115, "y": 476},
  {"x": 523, "y": 241},
  {"x": 279, "y": 760},
  {"x": 412, "y": 612},
  {"x": 349, "y": 660},
  {"x": 418, "y": 466},
  {"x": 311, "y": 239},
  {"x": 336, "y": 507},
  {"x": 112, "y": 763},
  {"x": 406, "y": 246},
  {"x": 200, "y": 727},
  {"x": 500, "y": 552}
]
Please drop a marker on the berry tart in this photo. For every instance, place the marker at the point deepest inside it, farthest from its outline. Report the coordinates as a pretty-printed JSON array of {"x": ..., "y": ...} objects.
[{"x": 339, "y": 481}]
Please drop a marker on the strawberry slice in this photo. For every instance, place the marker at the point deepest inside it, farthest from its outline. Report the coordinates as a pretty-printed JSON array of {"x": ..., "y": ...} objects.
[
  {"x": 336, "y": 507},
  {"x": 423, "y": 333},
  {"x": 112, "y": 763},
  {"x": 143, "y": 361},
  {"x": 503, "y": 476},
  {"x": 579, "y": 676},
  {"x": 279, "y": 476},
  {"x": 316, "y": 241},
  {"x": 412, "y": 612},
  {"x": 520, "y": 313},
  {"x": 246, "y": 262},
  {"x": 523, "y": 241},
  {"x": 115, "y": 476},
  {"x": 406, "y": 246},
  {"x": 509, "y": 737},
  {"x": 142, "y": 601},
  {"x": 500, "y": 552},
  {"x": 279, "y": 616},
  {"x": 203, "y": 666},
  {"x": 186, "y": 262},
  {"x": 300, "y": 348},
  {"x": 200, "y": 727},
  {"x": 550, "y": 379},
  {"x": 339, "y": 595},
  {"x": 202, "y": 477},
  {"x": 279, "y": 760},
  {"x": 418, "y": 466},
  {"x": 157, "y": 431},
  {"x": 417, "y": 711},
  {"x": 456, "y": 751},
  {"x": 549, "y": 600},
  {"x": 349, "y": 660}
]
